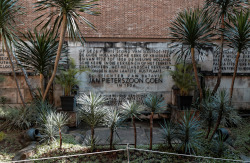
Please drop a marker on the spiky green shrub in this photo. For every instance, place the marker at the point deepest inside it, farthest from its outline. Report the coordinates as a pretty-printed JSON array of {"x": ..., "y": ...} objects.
[
  {"x": 92, "y": 111},
  {"x": 168, "y": 131},
  {"x": 189, "y": 134},
  {"x": 113, "y": 119},
  {"x": 17, "y": 118}
]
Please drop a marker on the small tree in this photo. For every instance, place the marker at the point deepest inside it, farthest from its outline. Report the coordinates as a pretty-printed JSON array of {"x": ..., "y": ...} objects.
[
  {"x": 131, "y": 110},
  {"x": 221, "y": 10},
  {"x": 64, "y": 15},
  {"x": 192, "y": 28},
  {"x": 92, "y": 111},
  {"x": 113, "y": 119},
  {"x": 238, "y": 35},
  {"x": 154, "y": 103},
  {"x": 8, "y": 17},
  {"x": 60, "y": 119},
  {"x": 38, "y": 52}
]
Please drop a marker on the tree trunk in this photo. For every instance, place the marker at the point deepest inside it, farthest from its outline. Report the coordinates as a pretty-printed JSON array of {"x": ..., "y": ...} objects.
[
  {"x": 218, "y": 122},
  {"x": 111, "y": 138},
  {"x": 60, "y": 138},
  {"x": 234, "y": 76},
  {"x": 196, "y": 74},
  {"x": 209, "y": 124},
  {"x": 58, "y": 55},
  {"x": 13, "y": 72},
  {"x": 133, "y": 121},
  {"x": 32, "y": 93},
  {"x": 220, "y": 59},
  {"x": 42, "y": 84},
  {"x": 151, "y": 130},
  {"x": 92, "y": 133}
]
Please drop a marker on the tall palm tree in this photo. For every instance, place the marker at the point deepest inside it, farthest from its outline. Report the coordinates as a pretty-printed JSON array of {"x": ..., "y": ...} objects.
[
  {"x": 154, "y": 103},
  {"x": 9, "y": 11},
  {"x": 65, "y": 14},
  {"x": 238, "y": 35},
  {"x": 131, "y": 110},
  {"x": 221, "y": 11},
  {"x": 193, "y": 29},
  {"x": 38, "y": 53}
]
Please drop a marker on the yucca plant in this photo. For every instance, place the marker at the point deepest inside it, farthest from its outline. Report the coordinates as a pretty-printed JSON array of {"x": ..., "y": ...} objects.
[
  {"x": 38, "y": 52},
  {"x": 189, "y": 133},
  {"x": 237, "y": 34},
  {"x": 10, "y": 10},
  {"x": 113, "y": 120},
  {"x": 221, "y": 10},
  {"x": 48, "y": 129},
  {"x": 60, "y": 119},
  {"x": 222, "y": 103},
  {"x": 92, "y": 110},
  {"x": 168, "y": 131},
  {"x": 153, "y": 103},
  {"x": 64, "y": 15},
  {"x": 131, "y": 110},
  {"x": 208, "y": 113},
  {"x": 193, "y": 29}
]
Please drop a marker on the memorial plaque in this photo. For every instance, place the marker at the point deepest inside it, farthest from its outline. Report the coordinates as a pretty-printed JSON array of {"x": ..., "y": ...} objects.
[
  {"x": 4, "y": 62},
  {"x": 228, "y": 61},
  {"x": 126, "y": 73}
]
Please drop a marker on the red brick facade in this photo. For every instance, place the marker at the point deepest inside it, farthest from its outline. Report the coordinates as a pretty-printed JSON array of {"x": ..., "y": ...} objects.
[{"x": 148, "y": 19}]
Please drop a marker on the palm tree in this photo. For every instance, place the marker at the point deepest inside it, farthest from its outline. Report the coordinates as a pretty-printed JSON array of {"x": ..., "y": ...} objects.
[
  {"x": 221, "y": 11},
  {"x": 8, "y": 16},
  {"x": 154, "y": 103},
  {"x": 238, "y": 35},
  {"x": 131, "y": 110},
  {"x": 193, "y": 29},
  {"x": 65, "y": 14},
  {"x": 38, "y": 52},
  {"x": 59, "y": 120},
  {"x": 113, "y": 120},
  {"x": 92, "y": 110}
]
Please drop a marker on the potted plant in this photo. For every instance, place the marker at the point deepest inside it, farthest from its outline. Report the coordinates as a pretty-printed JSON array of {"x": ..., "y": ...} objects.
[
  {"x": 183, "y": 77},
  {"x": 68, "y": 80}
]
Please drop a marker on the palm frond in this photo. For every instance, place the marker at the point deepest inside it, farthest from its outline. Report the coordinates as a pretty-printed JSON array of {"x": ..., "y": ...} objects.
[
  {"x": 70, "y": 8},
  {"x": 155, "y": 103},
  {"x": 238, "y": 31},
  {"x": 191, "y": 29}
]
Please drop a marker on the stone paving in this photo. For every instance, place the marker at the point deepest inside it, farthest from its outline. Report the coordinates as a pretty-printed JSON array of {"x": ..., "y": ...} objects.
[{"x": 124, "y": 134}]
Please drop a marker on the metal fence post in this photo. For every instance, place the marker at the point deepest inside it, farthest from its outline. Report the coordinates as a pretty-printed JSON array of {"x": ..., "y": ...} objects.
[{"x": 128, "y": 152}]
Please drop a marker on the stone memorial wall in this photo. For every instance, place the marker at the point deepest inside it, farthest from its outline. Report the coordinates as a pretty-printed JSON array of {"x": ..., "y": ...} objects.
[
  {"x": 131, "y": 70},
  {"x": 228, "y": 61},
  {"x": 125, "y": 71}
]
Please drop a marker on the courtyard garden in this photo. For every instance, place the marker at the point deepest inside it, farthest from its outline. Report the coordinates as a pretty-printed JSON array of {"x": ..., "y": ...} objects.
[{"x": 200, "y": 124}]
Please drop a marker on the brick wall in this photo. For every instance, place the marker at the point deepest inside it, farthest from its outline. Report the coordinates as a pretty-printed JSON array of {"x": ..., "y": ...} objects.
[{"x": 124, "y": 18}]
